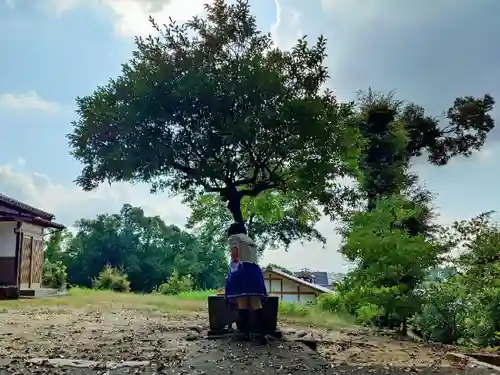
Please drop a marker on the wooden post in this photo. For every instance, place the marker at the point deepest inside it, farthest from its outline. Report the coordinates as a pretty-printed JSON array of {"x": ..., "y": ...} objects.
[
  {"x": 19, "y": 244},
  {"x": 31, "y": 263}
]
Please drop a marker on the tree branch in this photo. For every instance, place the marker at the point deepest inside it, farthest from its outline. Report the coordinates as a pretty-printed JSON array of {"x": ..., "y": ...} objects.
[{"x": 259, "y": 188}]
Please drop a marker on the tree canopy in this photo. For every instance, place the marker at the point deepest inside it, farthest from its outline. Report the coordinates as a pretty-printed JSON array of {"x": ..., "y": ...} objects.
[
  {"x": 274, "y": 219},
  {"x": 395, "y": 131},
  {"x": 212, "y": 105}
]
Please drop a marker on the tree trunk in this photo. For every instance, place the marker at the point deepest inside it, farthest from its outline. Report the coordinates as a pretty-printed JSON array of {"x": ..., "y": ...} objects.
[
  {"x": 234, "y": 205},
  {"x": 404, "y": 328}
]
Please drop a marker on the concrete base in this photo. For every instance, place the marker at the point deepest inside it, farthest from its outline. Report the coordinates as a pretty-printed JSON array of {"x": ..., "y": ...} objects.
[
  {"x": 222, "y": 316},
  {"x": 489, "y": 361},
  {"x": 41, "y": 293}
]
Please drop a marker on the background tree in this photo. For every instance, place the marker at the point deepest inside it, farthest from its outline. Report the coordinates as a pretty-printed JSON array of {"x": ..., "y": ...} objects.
[
  {"x": 212, "y": 104},
  {"x": 394, "y": 132},
  {"x": 464, "y": 307},
  {"x": 274, "y": 219},
  {"x": 394, "y": 263},
  {"x": 55, "y": 273},
  {"x": 56, "y": 245},
  {"x": 145, "y": 248}
]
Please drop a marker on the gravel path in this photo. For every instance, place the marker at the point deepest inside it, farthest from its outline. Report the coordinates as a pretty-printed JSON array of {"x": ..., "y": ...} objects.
[{"x": 163, "y": 344}]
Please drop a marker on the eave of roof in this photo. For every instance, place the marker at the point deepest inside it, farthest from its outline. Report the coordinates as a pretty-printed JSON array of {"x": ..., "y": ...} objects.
[
  {"x": 32, "y": 220},
  {"x": 18, "y": 205}
]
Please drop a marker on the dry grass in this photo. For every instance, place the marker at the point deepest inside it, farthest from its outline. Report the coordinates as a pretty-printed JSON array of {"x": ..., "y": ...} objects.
[
  {"x": 181, "y": 305},
  {"x": 107, "y": 300}
]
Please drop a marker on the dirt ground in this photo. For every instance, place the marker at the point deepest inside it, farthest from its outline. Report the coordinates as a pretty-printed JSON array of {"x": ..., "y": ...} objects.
[{"x": 164, "y": 343}]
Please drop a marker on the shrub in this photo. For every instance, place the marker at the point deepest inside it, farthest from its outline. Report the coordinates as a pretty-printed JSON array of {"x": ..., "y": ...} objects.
[
  {"x": 483, "y": 318},
  {"x": 369, "y": 313},
  {"x": 111, "y": 279},
  {"x": 294, "y": 309},
  {"x": 55, "y": 275},
  {"x": 176, "y": 284},
  {"x": 442, "y": 314},
  {"x": 332, "y": 302}
]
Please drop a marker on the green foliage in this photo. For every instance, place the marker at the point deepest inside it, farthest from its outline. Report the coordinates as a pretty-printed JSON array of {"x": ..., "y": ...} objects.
[
  {"x": 145, "y": 247},
  {"x": 176, "y": 284},
  {"x": 273, "y": 219},
  {"x": 111, "y": 279},
  {"x": 393, "y": 132},
  {"x": 465, "y": 308},
  {"x": 369, "y": 313},
  {"x": 408, "y": 126},
  {"x": 294, "y": 309},
  {"x": 56, "y": 245},
  {"x": 331, "y": 302},
  {"x": 395, "y": 244},
  {"x": 213, "y": 105},
  {"x": 391, "y": 263},
  {"x": 55, "y": 274},
  {"x": 443, "y": 312}
]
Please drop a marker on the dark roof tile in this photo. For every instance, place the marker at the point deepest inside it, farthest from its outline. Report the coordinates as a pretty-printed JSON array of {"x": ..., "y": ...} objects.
[{"x": 26, "y": 208}]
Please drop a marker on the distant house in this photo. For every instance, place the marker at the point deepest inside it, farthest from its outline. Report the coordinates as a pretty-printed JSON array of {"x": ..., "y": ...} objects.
[
  {"x": 22, "y": 228},
  {"x": 318, "y": 278},
  {"x": 291, "y": 288}
]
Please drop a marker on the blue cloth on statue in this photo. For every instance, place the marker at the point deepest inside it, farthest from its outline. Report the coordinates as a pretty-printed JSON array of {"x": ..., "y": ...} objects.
[{"x": 245, "y": 279}]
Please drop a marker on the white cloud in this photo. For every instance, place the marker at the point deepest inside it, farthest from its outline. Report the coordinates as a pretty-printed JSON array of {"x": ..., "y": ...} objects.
[
  {"x": 61, "y": 6},
  {"x": 131, "y": 16},
  {"x": 358, "y": 12},
  {"x": 286, "y": 28},
  {"x": 28, "y": 101},
  {"x": 487, "y": 154},
  {"x": 69, "y": 203}
]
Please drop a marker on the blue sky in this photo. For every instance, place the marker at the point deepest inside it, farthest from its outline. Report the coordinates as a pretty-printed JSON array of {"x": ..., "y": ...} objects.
[{"x": 56, "y": 50}]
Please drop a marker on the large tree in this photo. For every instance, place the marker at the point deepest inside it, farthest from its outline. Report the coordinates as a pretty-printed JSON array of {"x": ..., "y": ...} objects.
[
  {"x": 212, "y": 105},
  {"x": 273, "y": 219}
]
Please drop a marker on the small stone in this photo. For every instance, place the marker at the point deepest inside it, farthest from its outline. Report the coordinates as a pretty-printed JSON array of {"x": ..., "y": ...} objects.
[
  {"x": 301, "y": 334},
  {"x": 192, "y": 336}
]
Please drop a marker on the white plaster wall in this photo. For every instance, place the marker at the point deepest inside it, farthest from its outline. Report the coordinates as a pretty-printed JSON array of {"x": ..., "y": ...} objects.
[
  {"x": 33, "y": 230},
  {"x": 267, "y": 284},
  {"x": 292, "y": 298},
  {"x": 7, "y": 239},
  {"x": 289, "y": 286},
  {"x": 275, "y": 286}
]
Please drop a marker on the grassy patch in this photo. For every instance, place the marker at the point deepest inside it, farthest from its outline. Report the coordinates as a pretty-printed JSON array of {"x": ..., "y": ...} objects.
[
  {"x": 182, "y": 304},
  {"x": 197, "y": 295},
  {"x": 312, "y": 315},
  {"x": 109, "y": 300}
]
